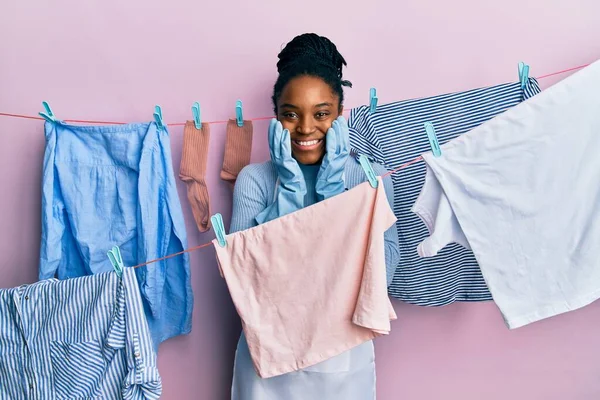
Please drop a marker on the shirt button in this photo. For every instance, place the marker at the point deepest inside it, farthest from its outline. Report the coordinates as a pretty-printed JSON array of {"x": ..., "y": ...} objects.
[
  {"x": 31, "y": 386},
  {"x": 136, "y": 355},
  {"x": 26, "y": 297}
]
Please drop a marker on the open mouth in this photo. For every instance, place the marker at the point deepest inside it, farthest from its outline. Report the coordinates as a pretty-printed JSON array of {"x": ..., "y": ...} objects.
[{"x": 306, "y": 145}]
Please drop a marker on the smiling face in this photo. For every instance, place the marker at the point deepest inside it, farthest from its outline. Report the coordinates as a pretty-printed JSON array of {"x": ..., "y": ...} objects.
[{"x": 307, "y": 107}]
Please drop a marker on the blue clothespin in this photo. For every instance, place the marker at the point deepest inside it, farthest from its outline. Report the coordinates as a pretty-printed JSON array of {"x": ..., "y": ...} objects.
[
  {"x": 48, "y": 115},
  {"x": 523, "y": 74},
  {"x": 368, "y": 168},
  {"x": 219, "y": 228},
  {"x": 196, "y": 114},
  {"x": 433, "y": 140},
  {"x": 158, "y": 117},
  {"x": 373, "y": 100},
  {"x": 238, "y": 113},
  {"x": 116, "y": 260}
]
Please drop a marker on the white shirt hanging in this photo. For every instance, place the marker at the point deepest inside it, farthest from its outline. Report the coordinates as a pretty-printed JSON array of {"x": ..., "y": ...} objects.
[{"x": 523, "y": 192}]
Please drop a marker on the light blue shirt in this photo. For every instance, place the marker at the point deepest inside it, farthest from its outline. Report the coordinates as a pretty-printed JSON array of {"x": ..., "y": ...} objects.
[
  {"x": 114, "y": 185},
  {"x": 74, "y": 339}
]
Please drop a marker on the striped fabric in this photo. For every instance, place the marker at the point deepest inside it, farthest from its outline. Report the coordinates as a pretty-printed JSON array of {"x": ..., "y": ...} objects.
[
  {"x": 81, "y": 338},
  {"x": 394, "y": 135}
]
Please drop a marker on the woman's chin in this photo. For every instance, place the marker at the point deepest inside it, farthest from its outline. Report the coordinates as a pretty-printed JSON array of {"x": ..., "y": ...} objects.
[{"x": 308, "y": 158}]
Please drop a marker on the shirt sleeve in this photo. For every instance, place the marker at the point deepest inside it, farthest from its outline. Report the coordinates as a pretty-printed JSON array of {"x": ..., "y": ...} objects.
[
  {"x": 250, "y": 197},
  {"x": 142, "y": 381},
  {"x": 392, "y": 251},
  {"x": 363, "y": 136}
]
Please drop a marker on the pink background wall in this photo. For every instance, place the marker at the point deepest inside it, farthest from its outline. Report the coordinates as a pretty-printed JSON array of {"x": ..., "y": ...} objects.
[{"x": 113, "y": 60}]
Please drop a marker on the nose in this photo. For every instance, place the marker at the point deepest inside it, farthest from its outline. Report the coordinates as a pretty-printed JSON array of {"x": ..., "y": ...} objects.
[{"x": 305, "y": 126}]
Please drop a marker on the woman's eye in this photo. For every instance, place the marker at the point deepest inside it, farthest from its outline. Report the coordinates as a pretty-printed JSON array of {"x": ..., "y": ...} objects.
[
  {"x": 290, "y": 115},
  {"x": 322, "y": 115}
]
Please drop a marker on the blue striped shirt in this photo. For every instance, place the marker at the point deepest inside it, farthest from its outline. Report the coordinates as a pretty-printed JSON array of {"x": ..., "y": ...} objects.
[
  {"x": 394, "y": 135},
  {"x": 80, "y": 338}
]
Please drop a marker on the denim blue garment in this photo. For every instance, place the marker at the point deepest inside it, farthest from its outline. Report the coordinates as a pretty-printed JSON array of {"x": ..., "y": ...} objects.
[{"x": 114, "y": 185}]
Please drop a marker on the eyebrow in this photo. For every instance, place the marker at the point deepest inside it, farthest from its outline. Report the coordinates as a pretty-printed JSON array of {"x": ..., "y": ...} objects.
[{"x": 288, "y": 105}]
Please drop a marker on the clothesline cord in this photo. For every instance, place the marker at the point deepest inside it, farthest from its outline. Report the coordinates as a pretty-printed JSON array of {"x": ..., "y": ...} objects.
[
  {"x": 200, "y": 246},
  {"x": 194, "y": 248},
  {"x": 3, "y": 114},
  {"x": 405, "y": 165}
]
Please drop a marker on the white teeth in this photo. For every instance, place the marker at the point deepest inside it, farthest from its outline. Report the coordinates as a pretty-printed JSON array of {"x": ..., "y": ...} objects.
[{"x": 307, "y": 142}]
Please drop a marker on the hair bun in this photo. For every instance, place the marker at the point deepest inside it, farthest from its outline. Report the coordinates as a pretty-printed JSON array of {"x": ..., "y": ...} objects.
[{"x": 317, "y": 49}]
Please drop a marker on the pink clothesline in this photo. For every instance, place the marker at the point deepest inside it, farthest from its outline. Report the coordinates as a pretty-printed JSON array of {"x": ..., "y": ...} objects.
[
  {"x": 200, "y": 246},
  {"x": 35, "y": 117}
]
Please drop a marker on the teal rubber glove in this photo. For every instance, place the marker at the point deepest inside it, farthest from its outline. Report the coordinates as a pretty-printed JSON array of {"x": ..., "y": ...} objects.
[
  {"x": 291, "y": 189},
  {"x": 330, "y": 179}
]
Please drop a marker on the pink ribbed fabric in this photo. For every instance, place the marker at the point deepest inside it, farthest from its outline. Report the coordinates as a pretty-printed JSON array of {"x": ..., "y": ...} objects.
[
  {"x": 238, "y": 148},
  {"x": 192, "y": 171}
]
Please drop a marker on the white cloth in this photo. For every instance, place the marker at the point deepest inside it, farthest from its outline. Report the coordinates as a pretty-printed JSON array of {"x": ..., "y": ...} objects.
[
  {"x": 347, "y": 376},
  {"x": 523, "y": 192}
]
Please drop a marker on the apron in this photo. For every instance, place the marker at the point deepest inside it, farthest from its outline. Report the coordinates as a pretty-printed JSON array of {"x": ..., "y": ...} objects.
[{"x": 347, "y": 376}]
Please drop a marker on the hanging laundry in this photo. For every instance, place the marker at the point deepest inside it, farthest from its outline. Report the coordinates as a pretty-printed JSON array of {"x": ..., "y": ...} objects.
[
  {"x": 78, "y": 338},
  {"x": 192, "y": 171},
  {"x": 114, "y": 185},
  {"x": 523, "y": 190},
  {"x": 238, "y": 148},
  {"x": 395, "y": 135},
  {"x": 349, "y": 375},
  {"x": 334, "y": 296}
]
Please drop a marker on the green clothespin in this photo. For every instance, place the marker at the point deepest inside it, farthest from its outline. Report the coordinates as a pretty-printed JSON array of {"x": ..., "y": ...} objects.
[
  {"x": 433, "y": 140},
  {"x": 196, "y": 114},
  {"x": 373, "y": 100},
  {"x": 239, "y": 116},
  {"x": 219, "y": 228},
  {"x": 368, "y": 168},
  {"x": 523, "y": 74},
  {"x": 158, "y": 117},
  {"x": 48, "y": 115},
  {"x": 116, "y": 260}
]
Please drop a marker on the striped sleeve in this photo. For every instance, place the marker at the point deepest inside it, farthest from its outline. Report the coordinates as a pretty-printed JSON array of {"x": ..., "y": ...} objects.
[
  {"x": 143, "y": 380},
  {"x": 363, "y": 137}
]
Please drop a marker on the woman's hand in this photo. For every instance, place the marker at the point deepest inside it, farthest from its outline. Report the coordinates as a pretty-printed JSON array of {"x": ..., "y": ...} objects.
[
  {"x": 288, "y": 170},
  {"x": 330, "y": 179},
  {"x": 292, "y": 187}
]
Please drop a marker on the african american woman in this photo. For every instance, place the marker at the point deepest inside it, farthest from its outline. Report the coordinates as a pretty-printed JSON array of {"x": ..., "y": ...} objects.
[{"x": 308, "y": 100}]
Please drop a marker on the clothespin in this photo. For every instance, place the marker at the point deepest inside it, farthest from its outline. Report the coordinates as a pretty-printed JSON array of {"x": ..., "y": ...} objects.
[
  {"x": 158, "y": 117},
  {"x": 523, "y": 74},
  {"x": 219, "y": 228},
  {"x": 238, "y": 113},
  {"x": 433, "y": 140},
  {"x": 373, "y": 100},
  {"x": 368, "y": 168},
  {"x": 196, "y": 114},
  {"x": 116, "y": 260},
  {"x": 48, "y": 115}
]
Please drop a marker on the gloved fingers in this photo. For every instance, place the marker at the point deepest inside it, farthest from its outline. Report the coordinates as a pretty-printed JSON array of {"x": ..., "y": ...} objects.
[
  {"x": 277, "y": 140},
  {"x": 331, "y": 142},
  {"x": 286, "y": 145},
  {"x": 338, "y": 137},
  {"x": 343, "y": 123},
  {"x": 343, "y": 135},
  {"x": 273, "y": 127}
]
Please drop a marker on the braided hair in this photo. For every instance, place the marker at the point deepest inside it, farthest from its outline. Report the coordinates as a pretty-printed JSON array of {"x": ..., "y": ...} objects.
[{"x": 312, "y": 55}]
